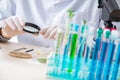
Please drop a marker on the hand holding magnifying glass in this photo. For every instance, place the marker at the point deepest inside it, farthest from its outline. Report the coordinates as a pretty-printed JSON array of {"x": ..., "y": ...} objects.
[
  {"x": 13, "y": 26},
  {"x": 48, "y": 32}
]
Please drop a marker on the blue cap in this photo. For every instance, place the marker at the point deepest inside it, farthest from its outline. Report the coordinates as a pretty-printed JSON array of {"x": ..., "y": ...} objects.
[
  {"x": 71, "y": 25},
  {"x": 75, "y": 27}
]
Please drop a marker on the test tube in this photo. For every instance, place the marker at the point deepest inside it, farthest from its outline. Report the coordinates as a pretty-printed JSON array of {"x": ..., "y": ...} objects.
[
  {"x": 102, "y": 55},
  {"x": 67, "y": 38},
  {"x": 81, "y": 47},
  {"x": 89, "y": 44},
  {"x": 67, "y": 42},
  {"x": 88, "y": 50},
  {"x": 116, "y": 64},
  {"x": 110, "y": 54},
  {"x": 93, "y": 62},
  {"x": 73, "y": 47},
  {"x": 58, "y": 49},
  {"x": 53, "y": 60}
]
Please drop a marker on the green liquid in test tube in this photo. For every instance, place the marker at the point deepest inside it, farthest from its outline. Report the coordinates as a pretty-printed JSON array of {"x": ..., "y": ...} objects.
[
  {"x": 73, "y": 47},
  {"x": 74, "y": 43}
]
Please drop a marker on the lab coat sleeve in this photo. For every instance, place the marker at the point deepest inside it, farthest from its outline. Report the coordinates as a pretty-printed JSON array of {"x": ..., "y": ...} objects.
[{"x": 7, "y": 8}]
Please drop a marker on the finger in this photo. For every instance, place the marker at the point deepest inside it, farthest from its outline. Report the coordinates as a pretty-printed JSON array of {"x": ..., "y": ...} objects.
[
  {"x": 6, "y": 35},
  {"x": 42, "y": 31},
  {"x": 17, "y": 24},
  {"x": 48, "y": 32},
  {"x": 55, "y": 36},
  {"x": 52, "y": 34},
  {"x": 10, "y": 23},
  {"x": 21, "y": 21},
  {"x": 3, "y": 24}
]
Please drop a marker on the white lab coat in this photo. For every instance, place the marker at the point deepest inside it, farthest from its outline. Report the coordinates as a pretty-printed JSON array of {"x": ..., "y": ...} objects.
[{"x": 46, "y": 12}]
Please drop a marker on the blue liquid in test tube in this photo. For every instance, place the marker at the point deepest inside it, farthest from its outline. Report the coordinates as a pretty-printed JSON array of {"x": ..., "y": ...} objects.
[
  {"x": 110, "y": 55},
  {"x": 109, "y": 60},
  {"x": 89, "y": 44},
  {"x": 78, "y": 60},
  {"x": 87, "y": 53},
  {"x": 58, "y": 45},
  {"x": 102, "y": 55},
  {"x": 116, "y": 65},
  {"x": 93, "y": 63},
  {"x": 80, "y": 50},
  {"x": 66, "y": 50}
]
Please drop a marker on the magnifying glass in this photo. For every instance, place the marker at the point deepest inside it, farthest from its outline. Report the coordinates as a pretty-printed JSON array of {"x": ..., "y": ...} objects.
[{"x": 31, "y": 28}]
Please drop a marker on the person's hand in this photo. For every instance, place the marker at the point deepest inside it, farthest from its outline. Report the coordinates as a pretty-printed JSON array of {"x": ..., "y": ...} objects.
[
  {"x": 12, "y": 26},
  {"x": 49, "y": 32}
]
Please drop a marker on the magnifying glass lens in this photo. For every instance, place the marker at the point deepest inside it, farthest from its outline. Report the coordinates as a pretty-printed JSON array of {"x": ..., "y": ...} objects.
[{"x": 31, "y": 28}]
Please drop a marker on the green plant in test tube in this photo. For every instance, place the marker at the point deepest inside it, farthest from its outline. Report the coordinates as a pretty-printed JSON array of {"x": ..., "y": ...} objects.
[
  {"x": 67, "y": 38},
  {"x": 71, "y": 13},
  {"x": 69, "y": 28},
  {"x": 70, "y": 16}
]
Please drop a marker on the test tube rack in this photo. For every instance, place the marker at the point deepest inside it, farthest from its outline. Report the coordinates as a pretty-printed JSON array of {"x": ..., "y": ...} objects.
[{"x": 77, "y": 68}]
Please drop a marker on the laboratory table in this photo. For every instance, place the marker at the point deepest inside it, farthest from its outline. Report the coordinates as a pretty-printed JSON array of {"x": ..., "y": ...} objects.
[{"x": 20, "y": 69}]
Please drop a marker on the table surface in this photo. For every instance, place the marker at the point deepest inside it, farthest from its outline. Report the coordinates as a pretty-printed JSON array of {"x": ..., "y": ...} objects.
[{"x": 17, "y": 69}]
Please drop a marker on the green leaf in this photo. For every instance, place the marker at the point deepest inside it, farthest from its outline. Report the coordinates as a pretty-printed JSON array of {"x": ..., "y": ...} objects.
[
  {"x": 71, "y": 13},
  {"x": 84, "y": 21},
  {"x": 42, "y": 60}
]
